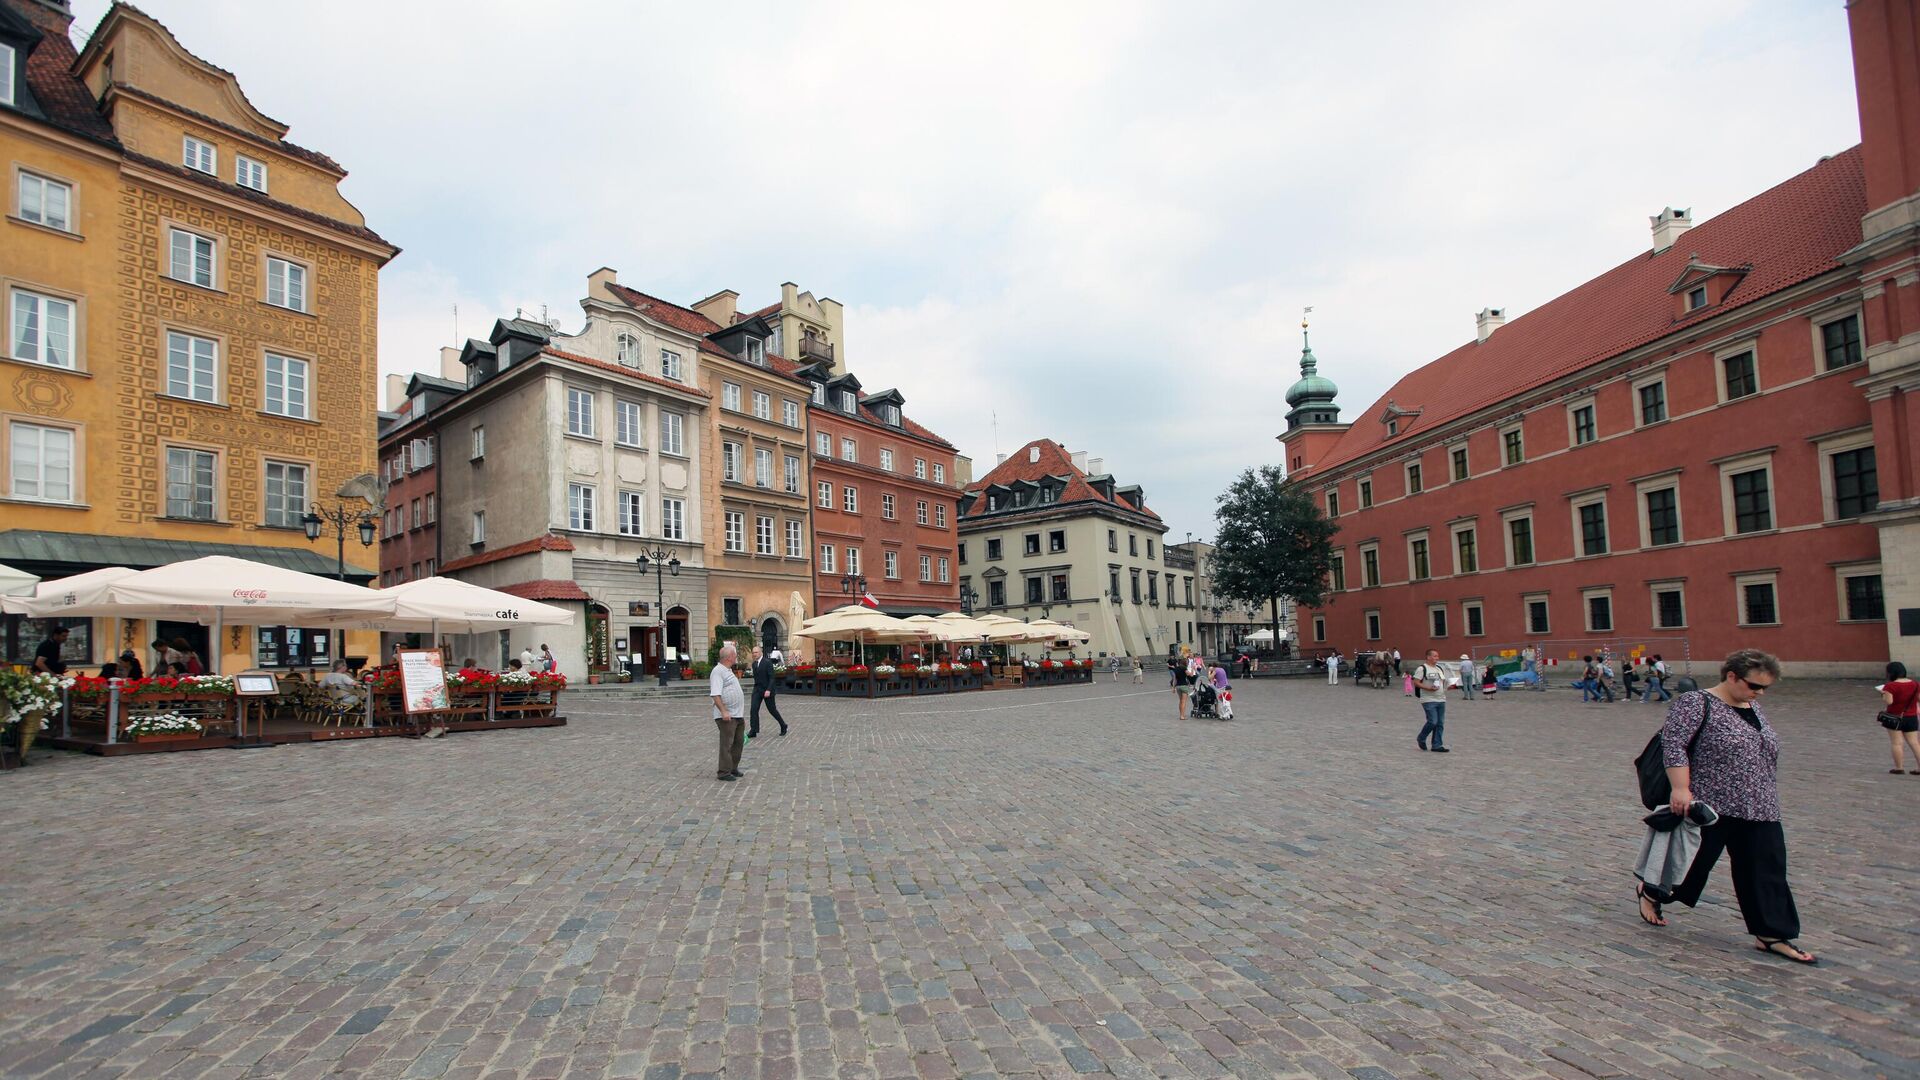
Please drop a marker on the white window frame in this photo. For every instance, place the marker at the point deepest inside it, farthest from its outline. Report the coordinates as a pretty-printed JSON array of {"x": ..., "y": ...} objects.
[
  {"x": 479, "y": 527},
  {"x": 762, "y": 405},
  {"x": 1408, "y": 469},
  {"x": 629, "y": 423},
  {"x": 1456, "y": 532},
  {"x": 762, "y": 535},
  {"x": 673, "y": 428},
  {"x": 1337, "y": 572},
  {"x": 734, "y": 530},
  {"x": 1762, "y": 460},
  {"x": 176, "y": 237},
  {"x": 850, "y": 499},
  {"x": 1574, "y": 505},
  {"x": 45, "y": 185},
  {"x": 1424, "y": 538},
  {"x": 730, "y": 396},
  {"x": 730, "y": 462},
  {"x": 1573, "y": 422},
  {"x": 1374, "y": 625},
  {"x": 823, "y": 494},
  {"x": 9, "y": 72},
  {"x": 828, "y": 565},
  {"x": 581, "y": 406},
  {"x": 756, "y": 351},
  {"x": 819, "y": 394},
  {"x": 946, "y": 571},
  {"x": 1379, "y": 572},
  {"x": 1466, "y": 621},
  {"x": 293, "y": 507},
  {"x": 886, "y": 505},
  {"x": 631, "y": 513},
  {"x": 1444, "y": 626},
  {"x": 823, "y": 443},
  {"x": 890, "y": 564},
  {"x": 40, "y": 481},
  {"x": 1654, "y": 589},
  {"x": 582, "y": 507},
  {"x": 1826, "y": 447},
  {"x": 1507, "y": 518},
  {"x": 1841, "y": 574},
  {"x": 939, "y": 474},
  {"x": 796, "y": 540},
  {"x": 790, "y": 474},
  {"x": 1527, "y": 600},
  {"x": 1333, "y": 501},
  {"x": 939, "y": 515},
  {"x": 249, "y": 173},
  {"x": 670, "y": 365},
  {"x": 199, "y": 155},
  {"x": 1648, "y": 485},
  {"x": 1726, "y": 353},
  {"x": 1758, "y": 577},
  {"x": 626, "y": 350},
  {"x": 849, "y": 449},
  {"x": 790, "y": 412},
  {"x": 1363, "y": 491},
  {"x": 479, "y": 444},
  {"x": 926, "y": 568},
  {"x": 1586, "y": 610},
  {"x": 1519, "y": 429},
  {"x": 919, "y": 468},
  {"x": 920, "y": 511},
  {"x": 292, "y": 283},
  {"x": 849, "y": 403},
  {"x": 886, "y": 460},
  {"x": 189, "y": 343},
  {"x": 1666, "y": 400},
  {"x": 673, "y": 518},
  {"x": 41, "y": 308},
  {"x": 853, "y": 559},
  {"x": 763, "y": 468},
  {"x": 1819, "y": 326},
  {"x": 1467, "y": 473},
  {"x": 286, "y": 404},
  {"x": 214, "y": 487}
]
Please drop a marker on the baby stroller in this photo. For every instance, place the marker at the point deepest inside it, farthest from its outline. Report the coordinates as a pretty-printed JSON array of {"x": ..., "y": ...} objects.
[{"x": 1211, "y": 704}]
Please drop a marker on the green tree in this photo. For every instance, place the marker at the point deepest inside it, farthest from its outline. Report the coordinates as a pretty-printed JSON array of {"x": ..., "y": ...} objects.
[{"x": 1273, "y": 542}]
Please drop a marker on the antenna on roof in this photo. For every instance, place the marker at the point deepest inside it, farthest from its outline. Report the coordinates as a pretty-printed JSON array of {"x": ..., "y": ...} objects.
[
  {"x": 996, "y": 432},
  {"x": 456, "y": 324}
]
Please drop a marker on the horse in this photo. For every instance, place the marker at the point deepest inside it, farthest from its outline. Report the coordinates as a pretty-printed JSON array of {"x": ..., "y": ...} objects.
[{"x": 1379, "y": 669}]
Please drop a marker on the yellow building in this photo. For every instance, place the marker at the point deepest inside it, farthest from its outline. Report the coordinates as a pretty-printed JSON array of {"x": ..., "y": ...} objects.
[{"x": 190, "y": 358}]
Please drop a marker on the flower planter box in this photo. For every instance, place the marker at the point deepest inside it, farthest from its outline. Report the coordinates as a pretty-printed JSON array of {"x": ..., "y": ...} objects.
[
  {"x": 168, "y": 736},
  {"x": 967, "y": 680},
  {"x": 797, "y": 684},
  {"x": 891, "y": 686},
  {"x": 845, "y": 685}
]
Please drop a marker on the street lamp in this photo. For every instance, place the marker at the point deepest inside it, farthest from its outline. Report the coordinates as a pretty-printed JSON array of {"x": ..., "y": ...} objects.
[
  {"x": 854, "y": 585},
  {"x": 663, "y": 562},
  {"x": 341, "y": 517},
  {"x": 967, "y": 598}
]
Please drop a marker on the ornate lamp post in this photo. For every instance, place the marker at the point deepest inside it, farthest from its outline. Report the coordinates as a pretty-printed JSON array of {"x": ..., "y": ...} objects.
[
  {"x": 664, "y": 562},
  {"x": 967, "y": 598},
  {"x": 341, "y": 517}
]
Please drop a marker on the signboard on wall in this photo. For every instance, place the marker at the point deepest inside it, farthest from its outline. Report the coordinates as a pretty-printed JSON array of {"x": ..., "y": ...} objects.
[
  {"x": 638, "y": 607},
  {"x": 423, "y": 680}
]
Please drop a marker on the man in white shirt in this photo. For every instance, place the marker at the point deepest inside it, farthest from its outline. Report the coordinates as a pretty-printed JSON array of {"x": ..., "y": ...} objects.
[
  {"x": 1333, "y": 668},
  {"x": 526, "y": 658},
  {"x": 1430, "y": 686},
  {"x": 339, "y": 683},
  {"x": 729, "y": 712}
]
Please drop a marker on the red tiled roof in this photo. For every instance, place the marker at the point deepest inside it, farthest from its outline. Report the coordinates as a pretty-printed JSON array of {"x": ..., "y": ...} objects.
[
  {"x": 313, "y": 157},
  {"x": 548, "y": 542},
  {"x": 68, "y": 103},
  {"x": 666, "y": 311},
  {"x": 1789, "y": 233},
  {"x": 198, "y": 177},
  {"x": 1054, "y": 461},
  {"x": 617, "y": 369},
  {"x": 545, "y": 589},
  {"x": 770, "y": 309}
]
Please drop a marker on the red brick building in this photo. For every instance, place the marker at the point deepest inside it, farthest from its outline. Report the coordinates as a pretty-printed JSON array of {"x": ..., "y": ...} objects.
[
  {"x": 409, "y": 526},
  {"x": 885, "y": 501},
  {"x": 1711, "y": 445}
]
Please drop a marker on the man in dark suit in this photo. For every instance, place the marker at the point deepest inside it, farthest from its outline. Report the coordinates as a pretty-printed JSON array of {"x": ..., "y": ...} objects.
[{"x": 764, "y": 685}]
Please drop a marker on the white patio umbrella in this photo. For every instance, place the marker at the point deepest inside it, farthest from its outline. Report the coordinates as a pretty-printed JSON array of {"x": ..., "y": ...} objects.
[
  {"x": 16, "y": 582},
  {"x": 436, "y": 604},
  {"x": 1054, "y": 631},
  {"x": 56, "y": 596},
  {"x": 1261, "y": 636},
  {"x": 1013, "y": 632},
  {"x": 862, "y": 624},
  {"x": 968, "y": 628}
]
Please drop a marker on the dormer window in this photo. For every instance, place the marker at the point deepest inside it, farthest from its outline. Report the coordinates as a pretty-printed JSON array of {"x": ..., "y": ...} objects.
[
  {"x": 249, "y": 173},
  {"x": 756, "y": 352},
  {"x": 849, "y": 404},
  {"x": 1393, "y": 427},
  {"x": 1046, "y": 495},
  {"x": 891, "y": 414},
  {"x": 199, "y": 155},
  {"x": 820, "y": 394},
  {"x": 8, "y": 66},
  {"x": 626, "y": 350},
  {"x": 1697, "y": 298}
]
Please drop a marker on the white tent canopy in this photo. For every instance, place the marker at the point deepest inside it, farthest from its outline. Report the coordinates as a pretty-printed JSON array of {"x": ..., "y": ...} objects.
[
  {"x": 68, "y": 595},
  {"x": 16, "y": 582},
  {"x": 440, "y": 605},
  {"x": 1260, "y": 636}
]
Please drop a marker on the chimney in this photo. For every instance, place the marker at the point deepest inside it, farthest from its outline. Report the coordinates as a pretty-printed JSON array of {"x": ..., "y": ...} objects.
[
  {"x": 1001, "y": 459},
  {"x": 1668, "y": 224},
  {"x": 720, "y": 307},
  {"x": 450, "y": 366},
  {"x": 598, "y": 281},
  {"x": 396, "y": 392},
  {"x": 1489, "y": 320},
  {"x": 1033, "y": 455},
  {"x": 1096, "y": 466},
  {"x": 1080, "y": 460}
]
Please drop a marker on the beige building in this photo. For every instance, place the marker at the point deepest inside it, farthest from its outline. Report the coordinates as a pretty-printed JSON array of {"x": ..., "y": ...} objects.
[
  {"x": 1225, "y": 623},
  {"x": 1049, "y": 533}
]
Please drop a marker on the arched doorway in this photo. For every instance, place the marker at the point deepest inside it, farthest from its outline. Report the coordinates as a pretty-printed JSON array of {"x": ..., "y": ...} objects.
[
  {"x": 773, "y": 633},
  {"x": 678, "y": 638},
  {"x": 599, "y": 645}
]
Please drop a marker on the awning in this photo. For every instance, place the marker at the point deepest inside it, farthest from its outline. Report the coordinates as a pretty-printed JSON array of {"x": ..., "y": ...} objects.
[
  {"x": 58, "y": 554},
  {"x": 901, "y": 611}
]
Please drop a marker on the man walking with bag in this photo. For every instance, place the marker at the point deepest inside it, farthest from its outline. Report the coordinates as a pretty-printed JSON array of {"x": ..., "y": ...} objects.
[
  {"x": 763, "y": 690},
  {"x": 729, "y": 712},
  {"x": 1430, "y": 687}
]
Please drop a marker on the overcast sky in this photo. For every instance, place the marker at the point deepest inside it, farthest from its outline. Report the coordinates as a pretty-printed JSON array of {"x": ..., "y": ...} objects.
[{"x": 1096, "y": 222}]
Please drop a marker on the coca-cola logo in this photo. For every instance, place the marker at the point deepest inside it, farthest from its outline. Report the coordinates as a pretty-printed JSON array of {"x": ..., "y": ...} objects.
[{"x": 249, "y": 596}]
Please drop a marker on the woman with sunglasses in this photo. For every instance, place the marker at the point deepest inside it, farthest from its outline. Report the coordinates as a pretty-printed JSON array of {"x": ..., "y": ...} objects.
[{"x": 1733, "y": 767}]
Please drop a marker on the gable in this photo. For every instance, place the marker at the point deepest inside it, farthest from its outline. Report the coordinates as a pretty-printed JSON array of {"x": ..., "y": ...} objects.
[{"x": 147, "y": 57}]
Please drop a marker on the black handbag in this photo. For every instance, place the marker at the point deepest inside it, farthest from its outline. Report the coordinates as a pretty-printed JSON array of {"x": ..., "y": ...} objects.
[
  {"x": 1888, "y": 721},
  {"x": 1655, "y": 789}
]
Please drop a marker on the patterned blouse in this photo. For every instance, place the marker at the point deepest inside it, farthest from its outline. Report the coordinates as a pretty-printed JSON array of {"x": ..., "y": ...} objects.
[{"x": 1734, "y": 766}]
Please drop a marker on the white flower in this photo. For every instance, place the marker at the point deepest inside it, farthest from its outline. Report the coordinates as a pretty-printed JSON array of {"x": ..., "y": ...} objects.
[{"x": 163, "y": 724}]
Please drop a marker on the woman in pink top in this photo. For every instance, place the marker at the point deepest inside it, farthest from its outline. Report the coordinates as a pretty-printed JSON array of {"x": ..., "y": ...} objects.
[{"x": 1900, "y": 698}]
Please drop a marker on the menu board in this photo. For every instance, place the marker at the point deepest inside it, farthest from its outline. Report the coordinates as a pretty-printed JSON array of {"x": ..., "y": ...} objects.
[{"x": 423, "y": 680}]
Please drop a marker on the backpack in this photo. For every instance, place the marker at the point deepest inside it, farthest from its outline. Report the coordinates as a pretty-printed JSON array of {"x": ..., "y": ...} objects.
[{"x": 1655, "y": 789}]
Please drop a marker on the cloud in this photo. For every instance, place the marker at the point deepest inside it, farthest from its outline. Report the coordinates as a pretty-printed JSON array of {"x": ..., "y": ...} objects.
[{"x": 1091, "y": 222}]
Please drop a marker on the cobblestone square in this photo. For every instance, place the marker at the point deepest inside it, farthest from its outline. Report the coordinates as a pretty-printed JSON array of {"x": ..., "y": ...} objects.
[{"x": 1024, "y": 883}]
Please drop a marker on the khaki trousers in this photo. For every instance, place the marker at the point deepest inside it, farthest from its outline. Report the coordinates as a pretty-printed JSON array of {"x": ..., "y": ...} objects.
[{"x": 733, "y": 740}]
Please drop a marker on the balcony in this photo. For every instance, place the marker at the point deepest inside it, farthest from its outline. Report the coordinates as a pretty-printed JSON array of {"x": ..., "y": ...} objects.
[{"x": 813, "y": 349}]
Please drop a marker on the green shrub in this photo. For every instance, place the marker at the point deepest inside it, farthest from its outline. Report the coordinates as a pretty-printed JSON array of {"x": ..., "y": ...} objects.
[
  {"x": 739, "y": 635},
  {"x": 702, "y": 669}
]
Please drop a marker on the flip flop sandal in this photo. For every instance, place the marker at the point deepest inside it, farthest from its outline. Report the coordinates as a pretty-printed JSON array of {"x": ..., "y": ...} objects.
[
  {"x": 1797, "y": 955},
  {"x": 1640, "y": 895}
]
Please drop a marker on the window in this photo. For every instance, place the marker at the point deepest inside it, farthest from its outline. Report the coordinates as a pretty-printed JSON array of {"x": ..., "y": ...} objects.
[
  {"x": 1413, "y": 478},
  {"x": 993, "y": 549},
  {"x": 580, "y": 413},
  {"x": 791, "y": 474},
  {"x": 850, "y": 499},
  {"x": 1373, "y": 626},
  {"x": 1113, "y": 540},
  {"x": 1030, "y": 540},
  {"x": 891, "y": 414},
  {"x": 1333, "y": 504},
  {"x": 736, "y": 531},
  {"x": 1759, "y": 605},
  {"x": 671, "y": 427},
  {"x": 849, "y": 450},
  {"x": 1460, "y": 463},
  {"x": 1537, "y": 622},
  {"x": 673, "y": 519},
  {"x": 670, "y": 364},
  {"x": 1752, "y": 505},
  {"x": 1583, "y": 427},
  {"x": 1366, "y": 494},
  {"x": 939, "y": 474},
  {"x": 1840, "y": 342},
  {"x": 853, "y": 560},
  {"x": 730, "y": 462},
  {"x": 1034, "y": 594},
  {"x": 920, "y": 511},
  {"x": 762, "y": 405},
  {"x": 479, "y": 443},
  {"x": 827, "y": 565},
  {"x": 199, "y": 155},
  {"x": 1057, "y": 540},
  {"x": 1437, "y": 618},
  {"x": 249, "y": 173},
  {"x": 1520, "y": 541},
  {"x": 730, "y": 396},
  {"x": 41, "y": 463},
  {"x": 1475, "y": 618},
  {"x": 1319, "y": 628},
  {"x": 1056, "y": 588},
  {"x": 996, "y": 593},
  {"x": 823, "y": 444},
  {"x": 479, "y": 527},
  {"x": 1663, "y": 517},
  {"x": 940, "y": 516},
  {"x": 756, "y": 351},
  {"x": 286, "y": 284},
  {"x": 820, "y": 394},
  {"x": 1133, "y": 544},
  {"x": 790, "y": 413},
  {"x": 730, "y": 611},
  {"x": 296, "y": 647},
  {"x": 626, "y": 350},
  {"x": 961, "y": 550},
  {"x": 824, "y": 493},
  {"x": 1417, "y": 559},
  {"x": 580, "y": 499},
  {"x": 287, "y": 386},
  {"x": 890, "y": 561},
  {"x": 42, "y": 329},
  {"x": 1592, "y": 517},
  {"x": 190, "y": 257},
  {"x": 1696, "y": 298},
  {"x": 886, "y": 505},
  {"x": 433, "y": 506},
  {"x": 626, "y": 422},
  {"x": 1136, "y": 586},
  {"x": 886, "y": 460},
  {"x": 1599, "y": 612},
  {"x": 630, "y": 513},
  {"x": 1466, "y": 555},
  {"x": 763, "y": 468},
  {"x": 849, "y": 404},
  {"x": 1369, "y": 567},
  {"x": 1338, "y": 575},
  {"x": 190, "y": 479},
  {"x": 1514, "y": 444},
  {"x": 46, "y": 202},
  {"x": 919, "y": 468},
  {"x": 794, "y": 540},
  {"x": 1865, "y": 601},
  {"x": 1856, "y": 483},
  {"x": 1653, "y": 402},
  {"x": 1739, "y": 376},
  {"x": 415, "y": 521},
  {"x": 1669, "y": 607},
  {"x": 1113, "y": 585},
  {"x": 190, "y": 364},
  {"x": 926, "y": 568},
  {"x": 8, "y": 72}
]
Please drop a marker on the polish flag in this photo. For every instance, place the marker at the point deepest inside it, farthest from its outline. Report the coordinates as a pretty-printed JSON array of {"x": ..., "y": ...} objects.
[{"x": 867, "y": 599}]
